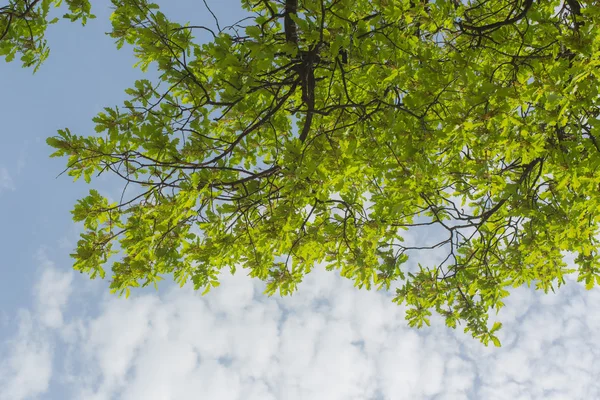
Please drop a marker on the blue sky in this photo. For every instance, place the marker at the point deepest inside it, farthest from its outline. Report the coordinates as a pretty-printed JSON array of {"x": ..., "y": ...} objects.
[{"x": 63, "y": 336}]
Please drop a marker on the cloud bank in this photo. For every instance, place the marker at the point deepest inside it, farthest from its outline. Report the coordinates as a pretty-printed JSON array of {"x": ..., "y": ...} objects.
[
  {"x": 328, "y": 341},
  {"x": 6, "y": 181}
]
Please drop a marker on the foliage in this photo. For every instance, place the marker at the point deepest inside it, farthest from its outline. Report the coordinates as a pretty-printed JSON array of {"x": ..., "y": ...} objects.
[
  {"x": 319, "y": 131},
  {"x": 23, "y": 25}
]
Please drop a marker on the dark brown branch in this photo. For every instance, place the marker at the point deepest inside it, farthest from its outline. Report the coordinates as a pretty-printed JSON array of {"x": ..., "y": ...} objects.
[
  {"x": 526, "y": 6},
  {"x": 291, "y": 31},
  {"x": 574, "y": 7}
]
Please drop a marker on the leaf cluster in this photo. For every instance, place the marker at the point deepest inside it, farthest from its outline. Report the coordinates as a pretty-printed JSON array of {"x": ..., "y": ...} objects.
[
  {"x": 23, "y": 25},
  {"x": 320, "y": 131}
]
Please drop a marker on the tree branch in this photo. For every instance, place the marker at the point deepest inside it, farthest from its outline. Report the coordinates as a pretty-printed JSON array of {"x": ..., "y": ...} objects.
[{"x": 527, "y": 5}]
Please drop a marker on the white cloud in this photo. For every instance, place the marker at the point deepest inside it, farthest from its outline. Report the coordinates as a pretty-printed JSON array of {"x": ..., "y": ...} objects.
[
  {"x": 26, "y": 362},
  {"x": 52, "y": 292},
  {"x": 328, "y": 341},
  {"x": 26, "y": 359},
  {"x": 331, "y": 341},
  {"x": 6, "y": 182}
]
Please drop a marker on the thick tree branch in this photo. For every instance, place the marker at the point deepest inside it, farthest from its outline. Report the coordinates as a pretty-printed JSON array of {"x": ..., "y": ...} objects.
[
  {"x": 526, "y": 7},
  {"x": 291, "y": 32}
]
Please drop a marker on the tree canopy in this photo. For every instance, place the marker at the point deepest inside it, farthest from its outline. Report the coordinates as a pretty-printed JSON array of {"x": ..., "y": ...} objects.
[
  {"x": 23, "y": 24},
  {"x": 320, "y": 132}
]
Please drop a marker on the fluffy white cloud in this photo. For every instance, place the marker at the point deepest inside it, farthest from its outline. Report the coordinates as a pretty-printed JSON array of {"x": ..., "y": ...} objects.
[
  {"x": 52, "y": 292},
  {"x": 328, "y": 341},
  {"x": 6, "y": 182},
  {"x": 25, "y": 362}
]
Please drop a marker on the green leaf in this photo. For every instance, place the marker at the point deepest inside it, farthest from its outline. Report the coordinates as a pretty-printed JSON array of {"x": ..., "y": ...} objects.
[
  {"x": 330, "y": 135},
  {"x": 496, "y": 341}
]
